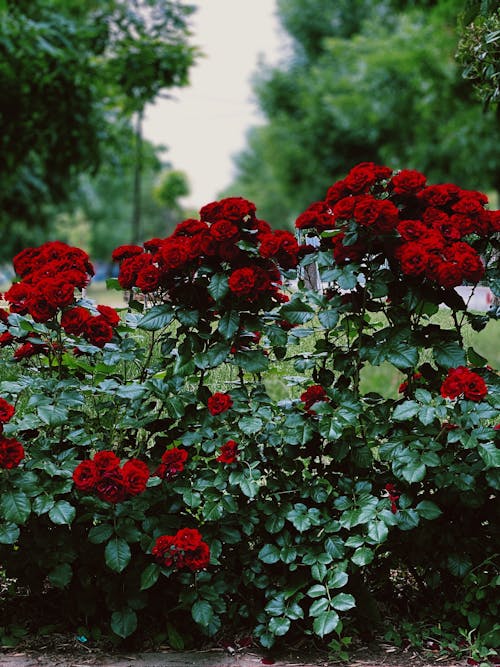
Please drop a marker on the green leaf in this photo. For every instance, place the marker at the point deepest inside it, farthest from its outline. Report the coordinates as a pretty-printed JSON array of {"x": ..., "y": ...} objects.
[
  {"x": 101, "y": 533},
  {"x": 319, "y": 606},
  {"x": 363, "y": 556},
  {"x": 9, "y": 533},
  {"x": 316, "y": 591},
  {"x": 124, "y": 623},
  {"x": 414, "y": 472},
  {"x": 61, "y": 575},
  {"x": 279, "y": 626},
  {"x": 474, "y": 358},
  {"x": 188, "y": 318},
  {"x": 15, "y": 506},
  {"x": 326, "y": 623},
  {"x": 174, "y": 638},
  {"x": 490, "y": 454},
  {"x": 253, "y": 361},
  {"x": 427, "y": 414},
  {"x": 52, "y": 415},
  {"x": 338, "y": 579},
  {"x": 219, "y": 286},
  {"x": 377, "y": 531},
  {"x": 202, "y": 612},
  {"x": 328, "y": 318},
  {"x": 213, "y": 357},
  {"x": 229, "y": 324},
  {"x": 149, "y": 576},
  {"x": 62, "y": 513},
  {"x": 157, "y": 317},
  {"x": 402, "y": 356},
  {"x": 269, "y": 554},
  {"x": 274, "y": 523},
  {"x": 428, "y": 510},
  {"x": 297, "y": 312},
  {"x": 250, "y": 425},
  {"x": 117, "y": 554},
  {"x": 212, "y": 510},
  {"x": 343, "y": 601},
  {"x": 449, "y": 354},
  {"x": 42, "y": 504},
  {"x": 405, "y": 410}
]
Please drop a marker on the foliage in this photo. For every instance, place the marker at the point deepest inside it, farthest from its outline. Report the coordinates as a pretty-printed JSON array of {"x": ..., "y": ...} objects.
[
  {"x": 69, "y": 71},
  {"x": 479, "y": 52},
  {"x": 152, "y": 497},
  {"x": 366, "y": 82}
]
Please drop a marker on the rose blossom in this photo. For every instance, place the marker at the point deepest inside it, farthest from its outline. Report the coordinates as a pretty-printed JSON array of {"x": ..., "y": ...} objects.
[{"x": 219, "y": 403}]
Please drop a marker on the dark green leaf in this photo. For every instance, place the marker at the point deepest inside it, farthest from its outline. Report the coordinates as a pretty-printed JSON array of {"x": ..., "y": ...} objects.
[
  {"x": 157, "y": 318},
  {"x": 149, "y": 576},
  {"x": 124, "y": 623},
  {"x": 117, "y": 554},
  {"x": 343, "y": 601},
  {"x": 62, "y": 513},
  {"x": 9, "y": 533},
  {"x": 61, "y": 575},
  {"x": 219, "y": 286},
  {"x": 15, "y": 506},
  {"x": 269, "y": 554},
  {"x": 428, "y": 510},
  {"x": 362, "y": 556},
  {"x": 202, "y": 612},
  {"x": 101, "y": 533},
  {"x": 405, "y": 410},
  {"x": 326, "y": 623},
  {"x": 229, "y": 324},
  {"x": 449, "y": 354},
  {"x": 297, "y": 312},
  {"x": 52, "y": 415}
]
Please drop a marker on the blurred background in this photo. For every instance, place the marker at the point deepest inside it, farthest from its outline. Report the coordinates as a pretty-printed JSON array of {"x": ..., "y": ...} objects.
[{"x": 119, "y": 118}]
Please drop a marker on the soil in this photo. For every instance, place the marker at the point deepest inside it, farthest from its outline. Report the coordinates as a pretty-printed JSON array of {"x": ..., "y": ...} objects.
[{"x": 74, "y": 655}]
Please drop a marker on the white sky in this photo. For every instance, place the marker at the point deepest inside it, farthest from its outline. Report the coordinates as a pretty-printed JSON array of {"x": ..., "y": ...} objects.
[{"x": 206, "y": 123}]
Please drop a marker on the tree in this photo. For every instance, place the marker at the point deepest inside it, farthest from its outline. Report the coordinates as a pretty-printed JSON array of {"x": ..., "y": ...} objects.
[
  {"x": 68, "y": 72},
  {"x": 385, "y": 89}
]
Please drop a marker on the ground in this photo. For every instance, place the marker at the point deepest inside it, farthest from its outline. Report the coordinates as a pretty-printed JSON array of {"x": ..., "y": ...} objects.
[{"x": 74, "y": 655}]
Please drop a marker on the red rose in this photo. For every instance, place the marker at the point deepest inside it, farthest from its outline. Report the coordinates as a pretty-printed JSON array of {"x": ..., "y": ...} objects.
[
  {"x": 413, "y": 258},
  {"x": 475, "y": 388},
  {"x": 439, "y": 195},
  {"x": 393, "y": 497},
  {"x": 165, "y": 550},
  {"x": 190, "y": 227},
  {"x": 461, "y": 380},
  {"x": 219, "y": 403},
  {"x": 130, "y": 268},
  {"x": 85, "y": 475},
  {"x": 380, "y": 215},
  {"x": 449, "y": 275},
  {"x": 153, "y": 245},
  {"x": 224, "y": 230},
  {"x": 111, "y": 487},
  {"x": 109, "y": 314},
  {"x": 412, "y": 230},
  {"x": 27, "y": 350},
  {"x": 237, "y": 209},
  {"x": 187, "y": 538},
  {"x": 195, "y": 559},
  {"x": 73, "y": 320},
  {"x": 6, "y": 411},
  {"x": 97, "y": 331},
  {"x": 24, "y": 261},
  {"x": 148, "y": 279},
  {"x": 17, "y": 295},
  {"x": 106, "y": 461},
  {"x": 312, "y": 395},
  {"x": 11, "y": 453},
  {"x": 336, "y": 192},
  {"x": 242, "y": 282},
  {"x": 342, "y": 253},
  {"x": 407, "y": 182},
  {"x": 228, "y": 452},
  {"x": 135, "y": 475},
  {"x": 126, "y": 251},
  {"x": 6, "y": 339},
  {"x": 174, "y": 253},
  {"x": 318, "y": 215},
  {"x": 172, "y": 463},
  {"x": 361, "y": 177},
  {"x": 344, "y": 209}
]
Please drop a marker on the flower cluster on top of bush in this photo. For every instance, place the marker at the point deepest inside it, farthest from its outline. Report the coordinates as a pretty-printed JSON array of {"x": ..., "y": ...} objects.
[
  {"x": 103, "y": 475},
  {"x": 228, "y": 239},
  {"x": 427, "y": 231}
]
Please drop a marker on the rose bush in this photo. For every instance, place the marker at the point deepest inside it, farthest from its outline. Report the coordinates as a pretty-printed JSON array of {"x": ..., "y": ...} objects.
[{"x": 159, "y": 487}]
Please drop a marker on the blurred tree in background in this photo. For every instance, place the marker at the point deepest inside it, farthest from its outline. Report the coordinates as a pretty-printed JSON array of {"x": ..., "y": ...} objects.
[
  {"x": 72, "y": 74},
  {"x": 479, "y": 49},
  {"x": 367, "y": 81}
]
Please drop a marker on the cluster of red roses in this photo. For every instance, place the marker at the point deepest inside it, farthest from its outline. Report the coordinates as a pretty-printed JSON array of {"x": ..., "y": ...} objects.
[
  {"x": 172, "y": 463},
  {"x": 104, "y": 476},
  {"x": 11, "y": 451},
  {"x": 427, "y": 224},
  {"x": 185, "y": 549},
  {"x": 228, "y": 239},
  {"x": 462, "y": 380},
  {"x": 313, "y": 394},
  {"x": 49, "y": 276}
]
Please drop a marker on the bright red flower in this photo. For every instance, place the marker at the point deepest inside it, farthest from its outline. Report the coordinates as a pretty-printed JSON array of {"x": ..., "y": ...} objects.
[
  {"x": 135, "y": 475},
  {"x": 125, "y": 252},
  {"x": 408, "y": 182},
  {"x": 195, "y": 559},
  {"x": 413, "y": 258},
  {"x": 106, "y": 461},
  {"x": 73, "y": 320},
  {"x": 228, "y": 452},
  {"x": 462, "y": 380},
  {"x": 111, "y": 487},
  {"x": 85, "y": 475},
  {"x": 172, "y": 463},
  {"x": 242, "y": 282},
  {"x": 6, "y": 411},
  {"x": 224, "y": 230},
  {"x": 11, "y": 453},
  {"x": 379, "y": 215},
  {"x": 312, "y": 395},
  {"x": 97, "y": 331},
  {"x": 219, "y": 403},
  {"x": 109, "y": 314}
]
